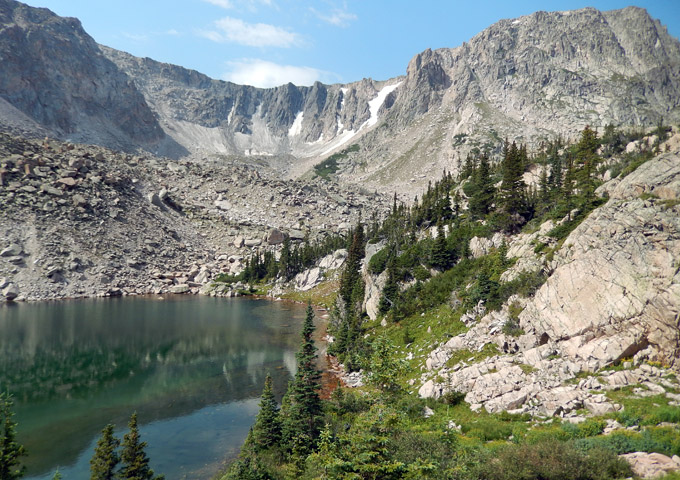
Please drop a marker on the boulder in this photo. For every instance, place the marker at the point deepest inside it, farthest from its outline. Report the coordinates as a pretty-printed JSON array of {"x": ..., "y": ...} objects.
[
  {"x": 308, "y": 279},
  {"x": 10, "y": 292},
  {"x": 253, "y": 242},
  {"x": 615, "y": 289},
  {"x": 275, "y": 236},
  {"x": 180, "y": 288},
  {"x": 12, "y": 250},
  {"x": 651, "y": 465}
]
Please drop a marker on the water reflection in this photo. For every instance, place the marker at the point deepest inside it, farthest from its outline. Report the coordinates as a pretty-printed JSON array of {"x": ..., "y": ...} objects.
[{"x": 187, "y": 365}]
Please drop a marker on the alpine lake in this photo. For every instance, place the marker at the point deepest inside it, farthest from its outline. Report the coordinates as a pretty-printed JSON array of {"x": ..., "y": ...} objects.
[{"x": 192, "y": 367}]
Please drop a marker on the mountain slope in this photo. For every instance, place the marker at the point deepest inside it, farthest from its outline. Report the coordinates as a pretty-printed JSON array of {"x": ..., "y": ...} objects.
[
  {"x": 531, "y": 78},
  {"x": 55, "y": 74}
]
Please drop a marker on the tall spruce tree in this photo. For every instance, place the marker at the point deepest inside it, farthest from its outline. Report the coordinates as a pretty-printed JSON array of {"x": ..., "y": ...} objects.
[
  {"x": 586, "y": 157},
  {"x": 134, "y": 458},
  {"x": 267, "y": 428},
  {"x": 512, "y": 186},
  {"x": 483, "y": 197},
  {"x": 303, "y": 415},
  {"x": 105, "y": 460},
  {"x": 440, "y": 257},
  {"x": 10, "y": 450}
]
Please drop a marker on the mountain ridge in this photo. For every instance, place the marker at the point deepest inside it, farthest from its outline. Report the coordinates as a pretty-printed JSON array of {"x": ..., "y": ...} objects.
[{"x": 590, "y": 67}]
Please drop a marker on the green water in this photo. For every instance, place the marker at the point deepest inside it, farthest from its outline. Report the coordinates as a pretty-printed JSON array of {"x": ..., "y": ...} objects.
[{"x": 191, "y": 367}]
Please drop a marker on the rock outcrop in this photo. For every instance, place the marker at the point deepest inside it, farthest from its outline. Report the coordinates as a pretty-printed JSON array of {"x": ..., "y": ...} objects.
[
  {"x": 55, "y": 74},
  {"x": 615, "y": 288}
]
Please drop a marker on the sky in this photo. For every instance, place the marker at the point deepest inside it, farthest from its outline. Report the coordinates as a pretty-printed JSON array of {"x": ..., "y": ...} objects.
[{"x": 266, "y": 43}]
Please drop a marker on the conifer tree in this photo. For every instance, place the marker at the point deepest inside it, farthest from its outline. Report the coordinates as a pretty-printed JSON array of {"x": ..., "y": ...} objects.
[
  {"x": 512, "y": 186},
  {"x": 267, "y": 428},
  {"x": 105, "y": 459},
  {"x": 440, "y": 258},
  {"x": 391, "y": 289},
  {"x": 10, "y": 450},
  {"x": 134, "y": 458},
  {"x": 303, "y": 415},
  {"x": 483, "y": 196},
  {"x": 586, "y": 151}
]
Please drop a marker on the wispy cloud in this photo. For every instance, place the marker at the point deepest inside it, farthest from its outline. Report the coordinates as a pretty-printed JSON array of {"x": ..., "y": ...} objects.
[
  {"x": 137, "y": 37},
  {"x": 234, "y": 30},
  {"x": 248, "y": 4},
  {"x": 220, "y": 3},
  {"x": 265, "y": 74},
  {"x": 339, "y": 17}
]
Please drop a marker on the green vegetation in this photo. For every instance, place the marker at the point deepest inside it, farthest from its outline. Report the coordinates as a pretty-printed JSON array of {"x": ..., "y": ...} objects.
[
  {"x": 10, "y": 450},
  {"x": 330, "y": 165},
  {"x": 383, "y": 430}
]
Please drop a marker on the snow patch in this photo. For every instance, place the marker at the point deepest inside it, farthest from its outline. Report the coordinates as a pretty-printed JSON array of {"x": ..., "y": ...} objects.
[
  {"x": 344, "y": 94},
  {"x": 296, "y": 128},
  {"x": 341, "y": 139},
  {"x": 375, "y": 104}
]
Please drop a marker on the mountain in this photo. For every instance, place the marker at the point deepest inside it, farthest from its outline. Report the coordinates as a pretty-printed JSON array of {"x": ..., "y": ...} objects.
[{"x": 531, "y": 78}]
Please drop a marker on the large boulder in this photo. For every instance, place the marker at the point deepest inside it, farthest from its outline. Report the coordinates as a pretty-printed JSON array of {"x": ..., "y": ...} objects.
[{"x": 275, "y": 236}]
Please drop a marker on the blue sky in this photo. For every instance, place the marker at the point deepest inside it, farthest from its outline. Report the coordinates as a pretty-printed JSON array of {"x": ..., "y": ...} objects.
[{"x": 271, "y": 42}]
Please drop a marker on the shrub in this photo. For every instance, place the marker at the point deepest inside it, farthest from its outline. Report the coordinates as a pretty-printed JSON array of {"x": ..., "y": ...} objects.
[
  {"x": 378, "y": 262},
  {"x": 550, "y": 460}
]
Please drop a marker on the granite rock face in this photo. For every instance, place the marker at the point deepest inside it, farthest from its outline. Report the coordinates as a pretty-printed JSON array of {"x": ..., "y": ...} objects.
[{"x": 615, "y": 288}]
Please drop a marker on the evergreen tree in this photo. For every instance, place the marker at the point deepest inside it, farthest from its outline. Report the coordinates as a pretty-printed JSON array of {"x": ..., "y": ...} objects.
[
  {"x": 134, "y": 458},
  {"x": 10, "y": 450},
  {"x": 390, "y": 291},
  {"x": 351, "y": 272},
  {"x": 105, "y": 459},
  {"x": 512, "y": 186},
  {"x": 303, "y": 415},
  {"x": 267, "y": 428},
  {"x": 440, "y": 257},
  {"x": 586, "y": 151},
  {"x": 483, "y": 196}
]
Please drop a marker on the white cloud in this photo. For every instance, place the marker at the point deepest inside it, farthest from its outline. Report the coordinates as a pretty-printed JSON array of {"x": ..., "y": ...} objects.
[
  {"x": 264, "y": 74},
  {"x": 220, "y": 3},
  {"x": 136, "y": 37},
  {"x": 338, "y": 17},
  {"x": 247, "y": 4},
  {"x": 234, "y": 30}
]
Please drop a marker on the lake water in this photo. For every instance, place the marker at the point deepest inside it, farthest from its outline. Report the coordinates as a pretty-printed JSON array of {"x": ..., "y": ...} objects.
[{"x": 192, "y": 368}]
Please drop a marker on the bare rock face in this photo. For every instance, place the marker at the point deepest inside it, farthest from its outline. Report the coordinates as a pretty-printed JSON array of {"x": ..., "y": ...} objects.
[
  {"x": 652, "y": 465},
  {"x": 54, "y": 73},
  {"x": 616, "y": 286}
]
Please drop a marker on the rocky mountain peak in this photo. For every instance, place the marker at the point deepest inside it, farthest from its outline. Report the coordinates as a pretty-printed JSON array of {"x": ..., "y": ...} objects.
[{"x": 55, "y": 73}]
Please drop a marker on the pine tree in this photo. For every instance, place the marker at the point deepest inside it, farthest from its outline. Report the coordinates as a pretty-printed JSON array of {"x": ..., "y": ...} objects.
[
  {"x": 134, "y": 458},
  {"x": 303, "y": 414},
  {"x": 512, "y": 186},
  {"x": 586, "y": 151},
  {"x": 105, "y": 459},
  {"x": 483, "y": 196},
  {"x": 267, "y": 428},
  {"x": 390, "y": 291},
  {"x": 440, "y": 257},
  {"x": 10, "y": 450}
]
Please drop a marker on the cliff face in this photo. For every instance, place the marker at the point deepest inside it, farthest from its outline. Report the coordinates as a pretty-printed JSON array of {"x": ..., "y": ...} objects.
[
  {"x": 54, "y": 73},
  {"x": 615, "y": 289}
]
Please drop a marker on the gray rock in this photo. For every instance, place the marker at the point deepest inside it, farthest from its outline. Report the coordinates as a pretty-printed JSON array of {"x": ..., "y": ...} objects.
[
  {"x": 275, "y": 236},
  {"x": 180, "y": 288},
  {"x": 10, "y": 292},
  {"x": 12, "y": 250}
]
